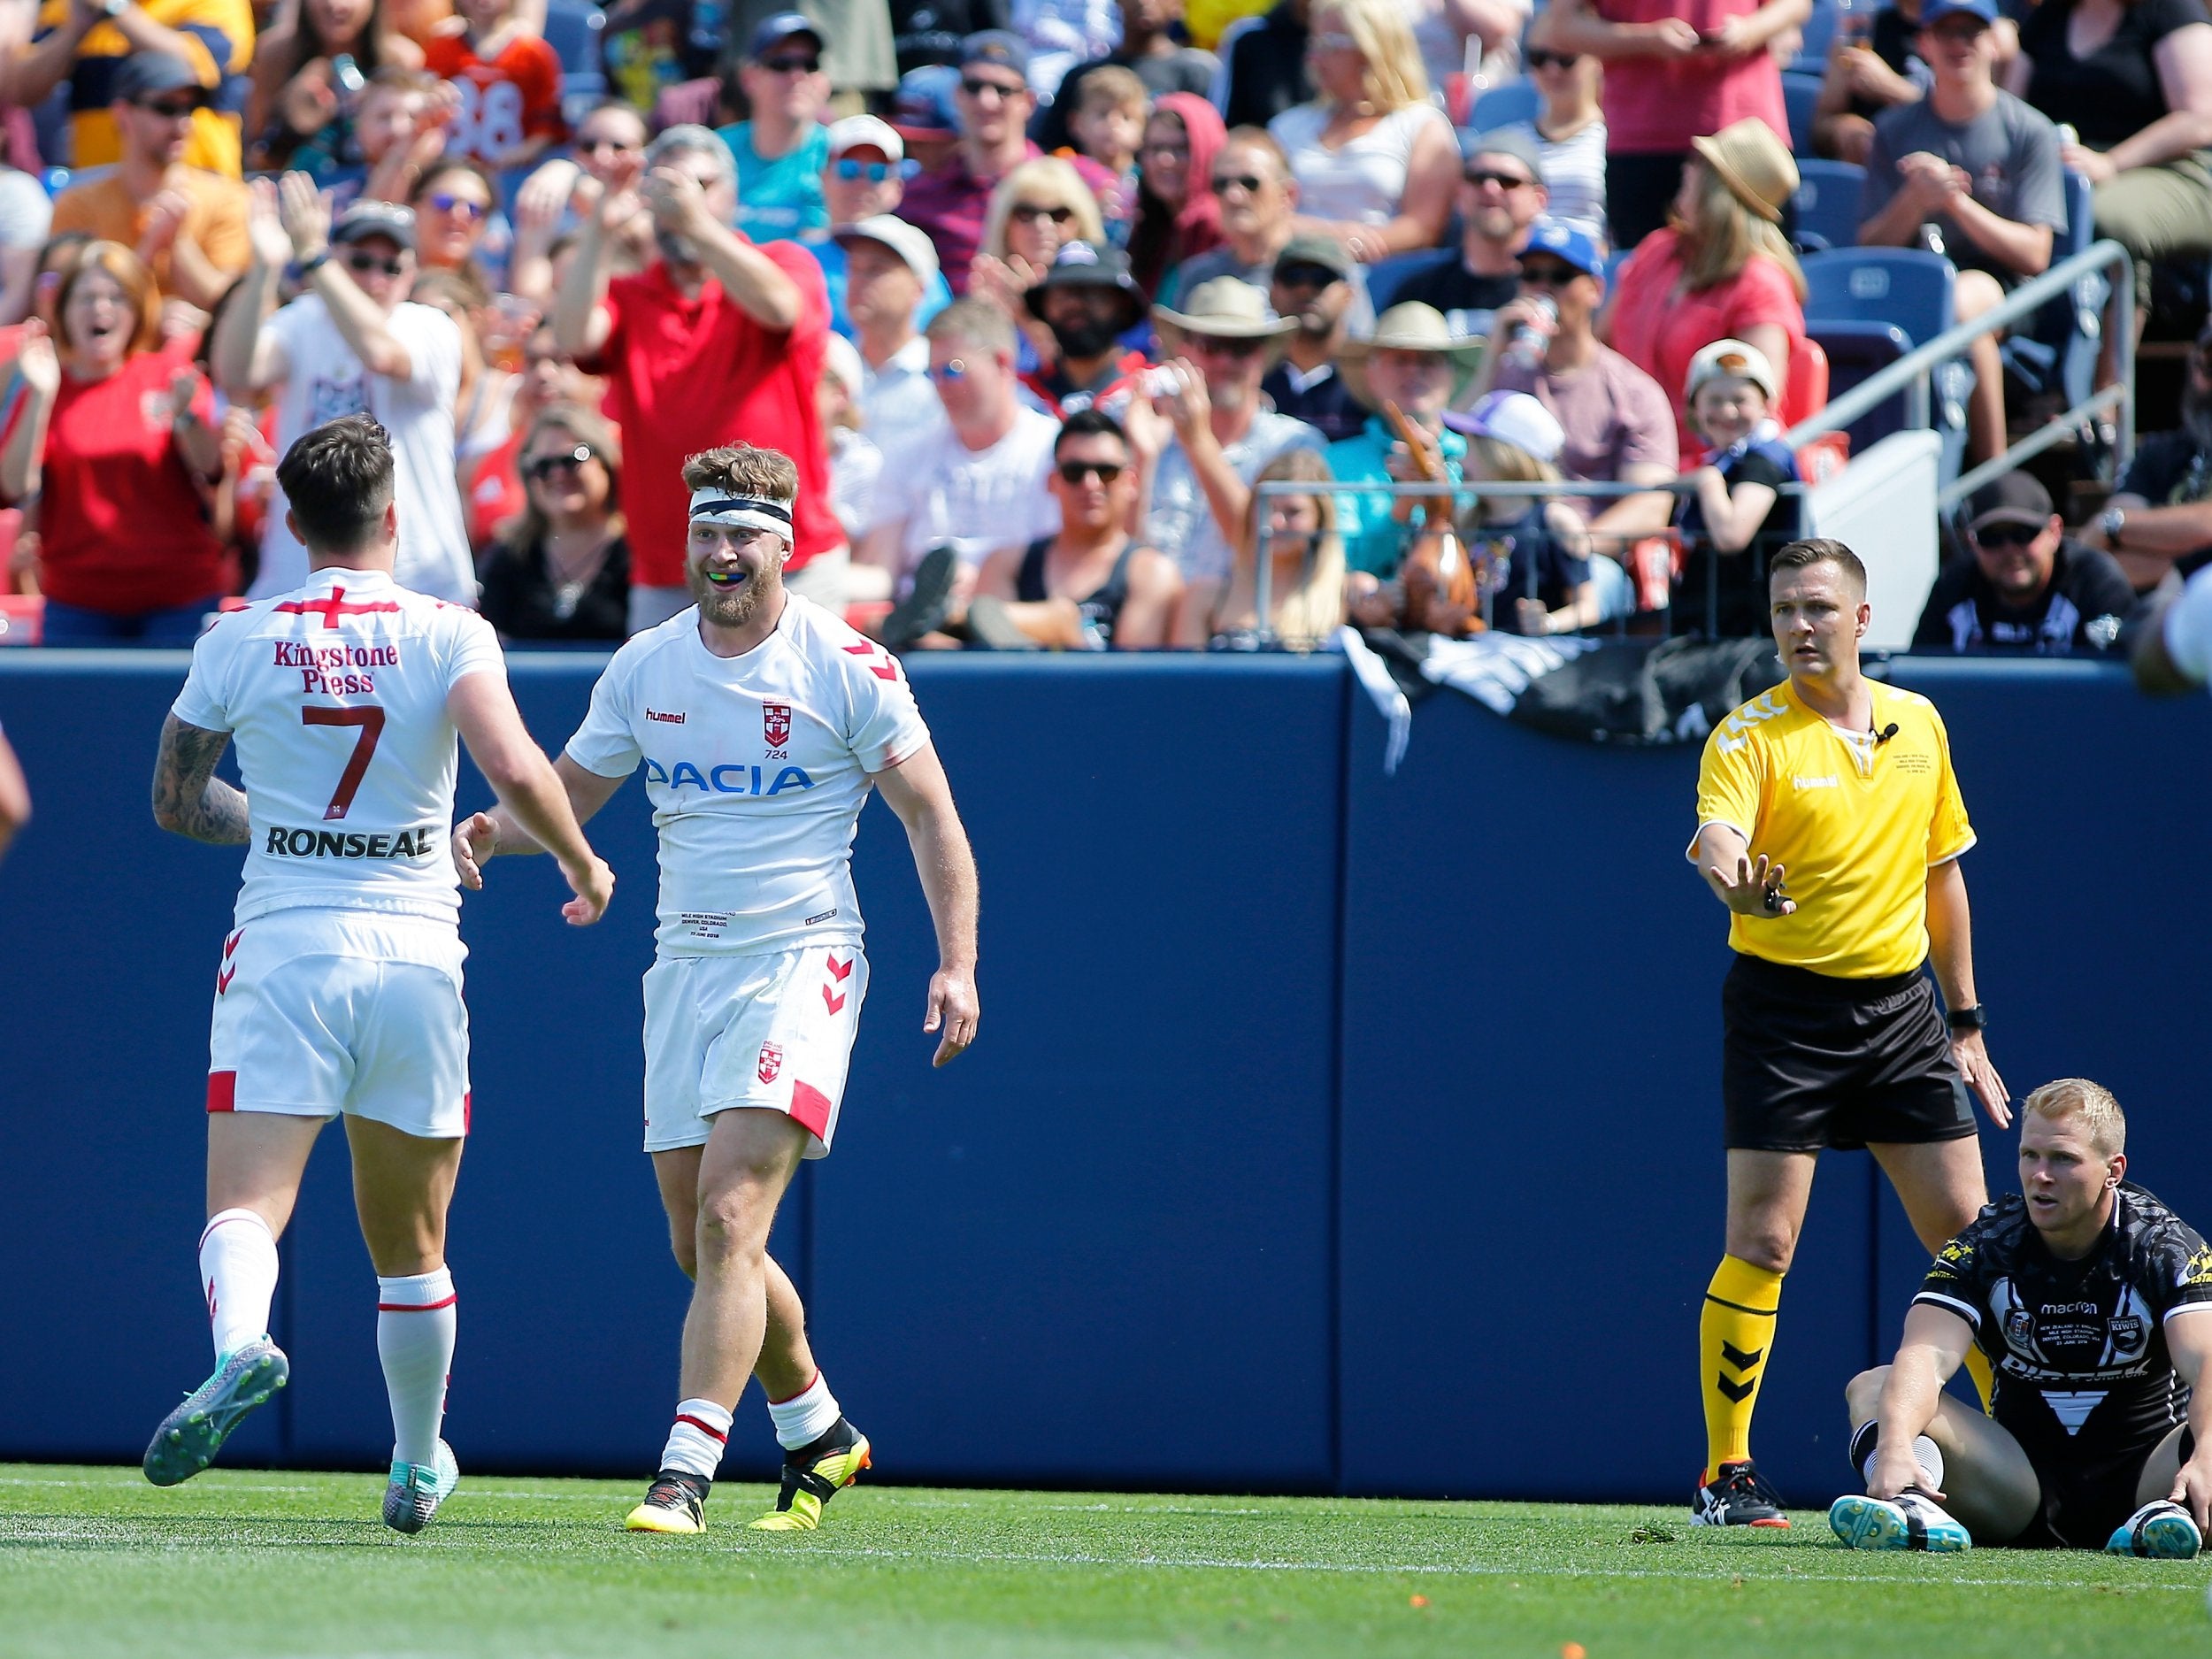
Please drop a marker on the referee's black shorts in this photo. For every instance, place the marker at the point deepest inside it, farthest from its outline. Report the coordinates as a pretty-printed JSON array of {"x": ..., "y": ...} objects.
[{"x": 1809, "y": 1061}]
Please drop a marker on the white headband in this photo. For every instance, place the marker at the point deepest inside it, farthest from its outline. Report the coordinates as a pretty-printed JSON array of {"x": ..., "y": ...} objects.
[{"x": 741, "y": 513}]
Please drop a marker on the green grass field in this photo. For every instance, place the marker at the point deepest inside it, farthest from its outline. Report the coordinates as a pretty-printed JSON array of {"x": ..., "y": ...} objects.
[{"x": 244, "y": 1563}]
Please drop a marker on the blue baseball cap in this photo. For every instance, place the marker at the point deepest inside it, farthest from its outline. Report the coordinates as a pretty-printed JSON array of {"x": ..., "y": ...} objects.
[
  {"x": 1002, "y": 47},
  {"x": 1563, "y": 241},
  {"x": 923, "y": 107},
  {"x": 781, "y": 26},
  {"x": 1933, "y": 12}
]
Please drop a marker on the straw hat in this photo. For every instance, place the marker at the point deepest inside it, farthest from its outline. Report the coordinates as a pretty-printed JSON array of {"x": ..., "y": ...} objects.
[
  {"x": 1227, "y": 308},
  {"x": 1753, "y": 163},
  {"x": 1411, "y": 326}
]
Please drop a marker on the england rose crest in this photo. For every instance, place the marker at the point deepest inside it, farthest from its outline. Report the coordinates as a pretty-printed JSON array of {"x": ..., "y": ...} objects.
[
  {"x": 775, "y": 723},
  {"x": 770, "y": 1062}
]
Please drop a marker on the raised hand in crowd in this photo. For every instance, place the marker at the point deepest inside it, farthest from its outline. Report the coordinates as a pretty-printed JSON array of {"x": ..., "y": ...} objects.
[
  {"x": 264, "y": 227},
  {"x": 38, "y": 363},
  {"x": 165, "y": 217},
  {"x": 305, "y": 213}
]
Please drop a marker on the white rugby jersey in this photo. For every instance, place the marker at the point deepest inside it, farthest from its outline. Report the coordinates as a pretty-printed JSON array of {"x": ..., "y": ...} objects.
[
  {"x": 757, "y": 767},
  {"x": 335, "y": 698}
]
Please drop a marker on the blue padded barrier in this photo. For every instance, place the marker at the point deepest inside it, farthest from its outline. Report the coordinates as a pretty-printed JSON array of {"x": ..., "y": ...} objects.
[{"x": 1313, "y": 1109}]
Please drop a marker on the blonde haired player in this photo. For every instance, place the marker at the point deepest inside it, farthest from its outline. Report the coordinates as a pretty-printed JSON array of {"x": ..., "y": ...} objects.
[
  {"x": 761, "y": 722},
  {"x": 1829, "y": 824},
  {"x": 339, "y": 993},
  {"x": 2081, "y": 1292}
]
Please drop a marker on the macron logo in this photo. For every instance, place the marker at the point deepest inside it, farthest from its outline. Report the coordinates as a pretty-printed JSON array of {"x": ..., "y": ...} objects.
[{"x": 666, "y": 719}]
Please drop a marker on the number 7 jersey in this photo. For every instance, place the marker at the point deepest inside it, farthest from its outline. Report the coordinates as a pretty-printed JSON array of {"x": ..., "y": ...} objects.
[{"x": 334, "y": 696}]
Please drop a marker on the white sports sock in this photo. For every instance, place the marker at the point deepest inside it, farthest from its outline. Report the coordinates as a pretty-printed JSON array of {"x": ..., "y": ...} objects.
[
  {"x": 415, "y": 1320},
  {"x": 806, "y": 1417},
  {"x": 238, "y": 1275},
  {"x": 696, "y": 1443},
  {"x": 1926, "y": 1453}
]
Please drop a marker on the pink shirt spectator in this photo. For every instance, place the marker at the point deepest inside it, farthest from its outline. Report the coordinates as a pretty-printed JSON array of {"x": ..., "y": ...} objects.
[
  {"x": 1659, "y": 329},
  {"x": 1655, "y": 106}
]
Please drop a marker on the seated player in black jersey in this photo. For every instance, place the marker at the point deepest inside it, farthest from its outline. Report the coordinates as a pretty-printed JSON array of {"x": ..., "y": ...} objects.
[{"x": 2083, "y": 1291}]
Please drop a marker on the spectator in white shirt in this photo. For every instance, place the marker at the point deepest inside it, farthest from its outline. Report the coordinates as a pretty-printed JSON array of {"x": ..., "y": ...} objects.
[
  {"x": 890, "y": 266},
  {"x": 975, "y": 485}
]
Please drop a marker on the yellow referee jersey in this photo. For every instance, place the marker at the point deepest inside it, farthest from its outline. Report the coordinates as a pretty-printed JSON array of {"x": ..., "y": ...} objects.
[{"x": 1858, "y": 825}]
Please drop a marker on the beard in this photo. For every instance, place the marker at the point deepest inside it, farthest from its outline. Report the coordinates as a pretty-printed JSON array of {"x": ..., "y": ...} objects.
[
  {"x": 676, "y": 249},
  {"x": 1089, "y": 337},
  {"x": 732, "y": 607}
]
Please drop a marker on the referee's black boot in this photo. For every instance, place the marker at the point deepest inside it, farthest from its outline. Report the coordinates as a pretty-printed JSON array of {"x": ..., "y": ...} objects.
[{"x": 1738, "y": 1495}]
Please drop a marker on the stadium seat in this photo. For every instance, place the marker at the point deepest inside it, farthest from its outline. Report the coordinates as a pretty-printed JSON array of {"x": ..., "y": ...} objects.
[
  {"x": 1384, "y": 277},
  {"x": 1828, "y": 205},
  {"x": 1503, "y": 105},
  {"x": 1909, "y": 289},
  {"x": 1820, "y": 31},
  {"x": 2058, "y": 353},
  {"x": 1855, "y": 352},
  {"x": 1800, "y": 94}
]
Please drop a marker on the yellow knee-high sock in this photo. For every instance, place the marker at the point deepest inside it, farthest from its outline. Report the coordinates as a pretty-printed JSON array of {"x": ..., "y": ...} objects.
[
  {"x": 1735, "y": 1337},
  {"x": 1984, "y": 1382}
]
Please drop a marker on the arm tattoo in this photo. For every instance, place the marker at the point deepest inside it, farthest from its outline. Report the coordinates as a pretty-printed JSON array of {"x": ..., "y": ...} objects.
[{"x": 189, "y": 798}]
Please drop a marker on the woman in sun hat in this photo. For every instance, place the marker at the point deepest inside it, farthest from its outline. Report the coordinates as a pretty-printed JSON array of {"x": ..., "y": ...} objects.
[{"x": 1721, "y": 269}]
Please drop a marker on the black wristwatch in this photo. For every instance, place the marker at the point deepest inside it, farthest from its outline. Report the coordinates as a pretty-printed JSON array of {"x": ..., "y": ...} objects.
[{"x": 1974, "y": 1018}]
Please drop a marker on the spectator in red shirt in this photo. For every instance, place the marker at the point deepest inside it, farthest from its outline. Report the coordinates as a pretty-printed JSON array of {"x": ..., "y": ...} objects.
[
  {"x": 117, "y": 439},
  {"x": 1675, "y": 70},
  {"x": 716, "y": 341},
  {"x": 994, "y": 102},
  {"x": 509, "y": 82}
]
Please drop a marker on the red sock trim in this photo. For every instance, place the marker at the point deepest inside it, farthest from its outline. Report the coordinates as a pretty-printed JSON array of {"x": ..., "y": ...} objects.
[
  {"x": 721, "y": 1437},
  {"x": 417, "y": 1306},
  {"x": 811, "y": 1381}
]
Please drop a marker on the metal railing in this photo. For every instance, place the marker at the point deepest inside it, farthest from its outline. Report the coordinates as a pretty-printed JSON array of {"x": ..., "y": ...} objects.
[{"x": 1910, "y": 374}]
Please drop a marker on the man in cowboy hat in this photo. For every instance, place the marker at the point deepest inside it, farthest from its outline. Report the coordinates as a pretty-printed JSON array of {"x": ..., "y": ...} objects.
[
  {"x": 1089, "y": 301},
  {"x": 1204, "y": 430},
  {"x": 1413, "y": 360}
]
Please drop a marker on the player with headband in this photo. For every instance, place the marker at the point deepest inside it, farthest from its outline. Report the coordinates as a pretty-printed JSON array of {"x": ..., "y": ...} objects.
[{"x": 761, "y": 722}]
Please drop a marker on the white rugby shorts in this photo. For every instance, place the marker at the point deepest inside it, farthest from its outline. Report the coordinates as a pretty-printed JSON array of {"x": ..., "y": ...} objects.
[
  {"x": 773, "y": 1032},
  {"x": 320, "y": 1011}
]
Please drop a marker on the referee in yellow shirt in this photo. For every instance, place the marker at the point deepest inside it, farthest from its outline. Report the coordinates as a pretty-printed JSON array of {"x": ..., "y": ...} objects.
[{"x": 1829, "y": 824}]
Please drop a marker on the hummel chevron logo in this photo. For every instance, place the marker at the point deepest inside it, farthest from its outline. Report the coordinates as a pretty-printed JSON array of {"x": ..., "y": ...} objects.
[
  {"x": 1736, "y": 1392},
  {"x": 224, "y": 976},
  {"x": 887, "y": 668},
  {"x": 833, "y": 998},
  {"x": 1730, "y": 1355}
]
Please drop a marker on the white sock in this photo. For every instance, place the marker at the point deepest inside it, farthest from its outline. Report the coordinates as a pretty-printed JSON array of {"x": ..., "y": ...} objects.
[
  {"x": 1926, "y": 1453},
  {"x": 696, "y": 1443},
  {"x": 238, "y": 1274},
  {"x": 806, "y": 1417},
  {"x": 415, "y": 1320}
]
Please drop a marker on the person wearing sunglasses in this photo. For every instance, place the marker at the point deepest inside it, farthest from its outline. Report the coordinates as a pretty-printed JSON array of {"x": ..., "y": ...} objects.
[
  {"x": 1569, "y": 130},
  {"x": 561, "y": 570},
  {"x": 353, "y": 341},
  {"x": 188, "y": 225},
  {"x": 1202, "y": 431},
  {"x": 1256, "y": 200},
  {"x": 1091, "y": 585},
  {"x": 117, "y": 440},
  {"x": 1315, "y": 283},
  {"x": 1090, "y": 302},
  {"x": 1501, "y": 194},
  {"x": 509, "y": 82},
  {"x": 454, "y": 201},
  {"x": 780, "y": 148},
  {"x": 862, "y": 184},
  {"x": 610, "y": 147},
  {"x": 2022, "y": 585},
  {"x": 1618, "y": 423},
  {"x": 993, "y": 102},
  {"x": 1034, "y": 212}
]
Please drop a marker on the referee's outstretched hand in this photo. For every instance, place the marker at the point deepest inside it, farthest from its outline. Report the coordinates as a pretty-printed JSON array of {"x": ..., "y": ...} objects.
[
  {"x": 1971, "y": 1052},
  {"x": 1757, "y": 890}
]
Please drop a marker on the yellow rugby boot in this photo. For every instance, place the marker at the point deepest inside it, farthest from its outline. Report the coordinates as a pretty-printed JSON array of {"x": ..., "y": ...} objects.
[
  {"x": 675, "y": 1502},
  {"x": 812, "y": 1476}
]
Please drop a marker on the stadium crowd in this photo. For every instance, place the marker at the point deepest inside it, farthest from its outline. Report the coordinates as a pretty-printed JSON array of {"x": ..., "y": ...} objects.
[{"x": 1036, "y": 294}]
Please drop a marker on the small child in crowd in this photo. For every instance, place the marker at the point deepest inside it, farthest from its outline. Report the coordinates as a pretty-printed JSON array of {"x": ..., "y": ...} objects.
[
  {"x": 1736, "y": 505},
  {"x": 1529, "y": 548},
  {"x": 510, "y": 82},
  {"x": 1108, "y": 125}
]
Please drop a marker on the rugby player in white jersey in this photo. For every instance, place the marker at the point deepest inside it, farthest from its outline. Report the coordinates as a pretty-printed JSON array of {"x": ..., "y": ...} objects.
[
  {"x": 761, "y": 721},
  {"x": 339, "y": 991},
  {"x": 2173, "y": 647}
]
